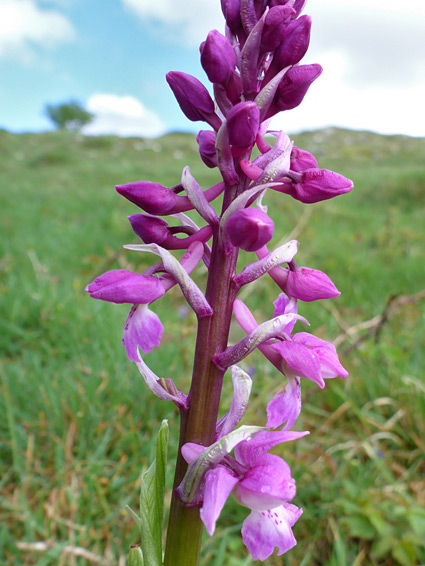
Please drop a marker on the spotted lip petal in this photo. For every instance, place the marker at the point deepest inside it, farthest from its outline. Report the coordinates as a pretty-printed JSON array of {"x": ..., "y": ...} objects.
[
  {"x": 260, "y": 481},
  {"x": 265, "y": 530}
]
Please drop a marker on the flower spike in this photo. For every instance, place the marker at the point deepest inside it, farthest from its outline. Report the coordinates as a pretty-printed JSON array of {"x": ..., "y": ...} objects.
[{"x": 255, "y": 70}]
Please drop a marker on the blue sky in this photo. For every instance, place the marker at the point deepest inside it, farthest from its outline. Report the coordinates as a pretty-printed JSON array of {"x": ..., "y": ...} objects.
[{"x": 113, "y": 55}]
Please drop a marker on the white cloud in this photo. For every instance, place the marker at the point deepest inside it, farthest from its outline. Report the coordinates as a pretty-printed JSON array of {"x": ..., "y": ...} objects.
[
  {"x": 23, "y": 24},
  {"x": 382, "y": 41},
  {"x": 123, "y": 116},
  {"x": 373, "y": 68},
  {"x": 186, "y": 22},
  {"x": 332, "y": 102}
]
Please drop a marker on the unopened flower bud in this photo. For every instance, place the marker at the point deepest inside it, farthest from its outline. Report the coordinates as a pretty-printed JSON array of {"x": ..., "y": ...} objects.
[
  {"x": 250, "y": 229},
  {"x": 295, "y": 43},
  {"x": 275, "y": 25},
  {"x": 193, "y": 98},
  {"x": 122, "y": 286},
  {"x": 232, "y": 13},
  {"x": 293, "y": 87},
  {"x": 302, "y": 160},
  {"x": 243, "y": 121},
  {"x": 135, "y": 557},
  {"x": 217, "y": 57},
  {"x": 315, "y": 185},
  {"x": 151, "y": 229},
  {"x": 151, "y": 197},
  {"x": 206, "y": 141},
  {"x": 309, "y": 284},
  {"x": 297, "y": 6}
]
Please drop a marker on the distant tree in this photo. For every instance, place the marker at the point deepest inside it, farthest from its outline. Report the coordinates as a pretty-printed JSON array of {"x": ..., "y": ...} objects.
[{"x": 68, "y": 115}]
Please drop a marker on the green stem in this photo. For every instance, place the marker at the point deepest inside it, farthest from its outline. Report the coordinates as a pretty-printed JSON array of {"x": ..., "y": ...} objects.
[{"x": 199, "y": 421}]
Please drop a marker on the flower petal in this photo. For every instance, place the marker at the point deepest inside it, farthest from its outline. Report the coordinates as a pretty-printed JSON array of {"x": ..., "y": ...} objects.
[
  {"x": 263, "y": 531},
  {"x": 249, "y": 452},
  {"x": 266, "y": 485},
  {"x": 191, "y": 450},
  {"x": 310, "y": 285},
  {"x": 286, "y": 405},
  {"x": 262, "y": 333},
  {"x": 154, "y": 384},
  {"x": 301, "y": 361},
  {"x": 190, "y": 489},
  {"x": 219, "y": 482},
  {"x": 325, "y": 351},
  {"x": 255, "y": 270},
  {"x": 142, "y": 329},
  {"x": 122, "y": 286},
  {"x": 284, "y": 305},
  {"x": 242, "y": 384}
]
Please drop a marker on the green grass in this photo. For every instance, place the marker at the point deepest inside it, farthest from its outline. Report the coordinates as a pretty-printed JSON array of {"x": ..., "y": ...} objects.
[{"x": 77, "y": 424}]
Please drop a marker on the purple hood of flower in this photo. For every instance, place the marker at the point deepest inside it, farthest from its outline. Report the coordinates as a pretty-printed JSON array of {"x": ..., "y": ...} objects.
[{"x": 122, "y": 286}]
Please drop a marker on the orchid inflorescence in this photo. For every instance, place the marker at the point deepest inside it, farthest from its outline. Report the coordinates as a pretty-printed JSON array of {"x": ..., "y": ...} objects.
[{"x": 256, "y": 73}]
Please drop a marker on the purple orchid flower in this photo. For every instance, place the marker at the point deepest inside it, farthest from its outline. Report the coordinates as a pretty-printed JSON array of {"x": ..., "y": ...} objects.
[
  {"x": 250, "y": 229},
  {"x": 308, "y": 185},
  {"x": 299, "y": 355},
  {"x": 260, "y": 481},
  {"x": 143, "y": 329},
  {"x": 301, "y": 283}
]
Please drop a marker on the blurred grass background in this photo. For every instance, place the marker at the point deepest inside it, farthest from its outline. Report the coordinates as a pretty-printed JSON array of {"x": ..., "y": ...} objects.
[{"x": 77, "y": 424}]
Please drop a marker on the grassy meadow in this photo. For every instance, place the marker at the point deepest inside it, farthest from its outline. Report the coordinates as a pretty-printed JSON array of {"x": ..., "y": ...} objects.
[{"x": 77, "y": 424}]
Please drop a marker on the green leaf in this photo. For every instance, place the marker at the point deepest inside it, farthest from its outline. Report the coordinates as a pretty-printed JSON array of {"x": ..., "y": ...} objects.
[
  {"x": 360, "y": 527},
  {"x": 135, "y": 517},
  {"x": 161, "y": 465},
  {"x": 380, "y": 524},
  {"x": 135, "y": 556},
  {"x": 416, "y": 518},
  {"x": 404, "y": 553},
  {"x": 152, "y": 491},
  {"x": 382, "y": 546}
]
